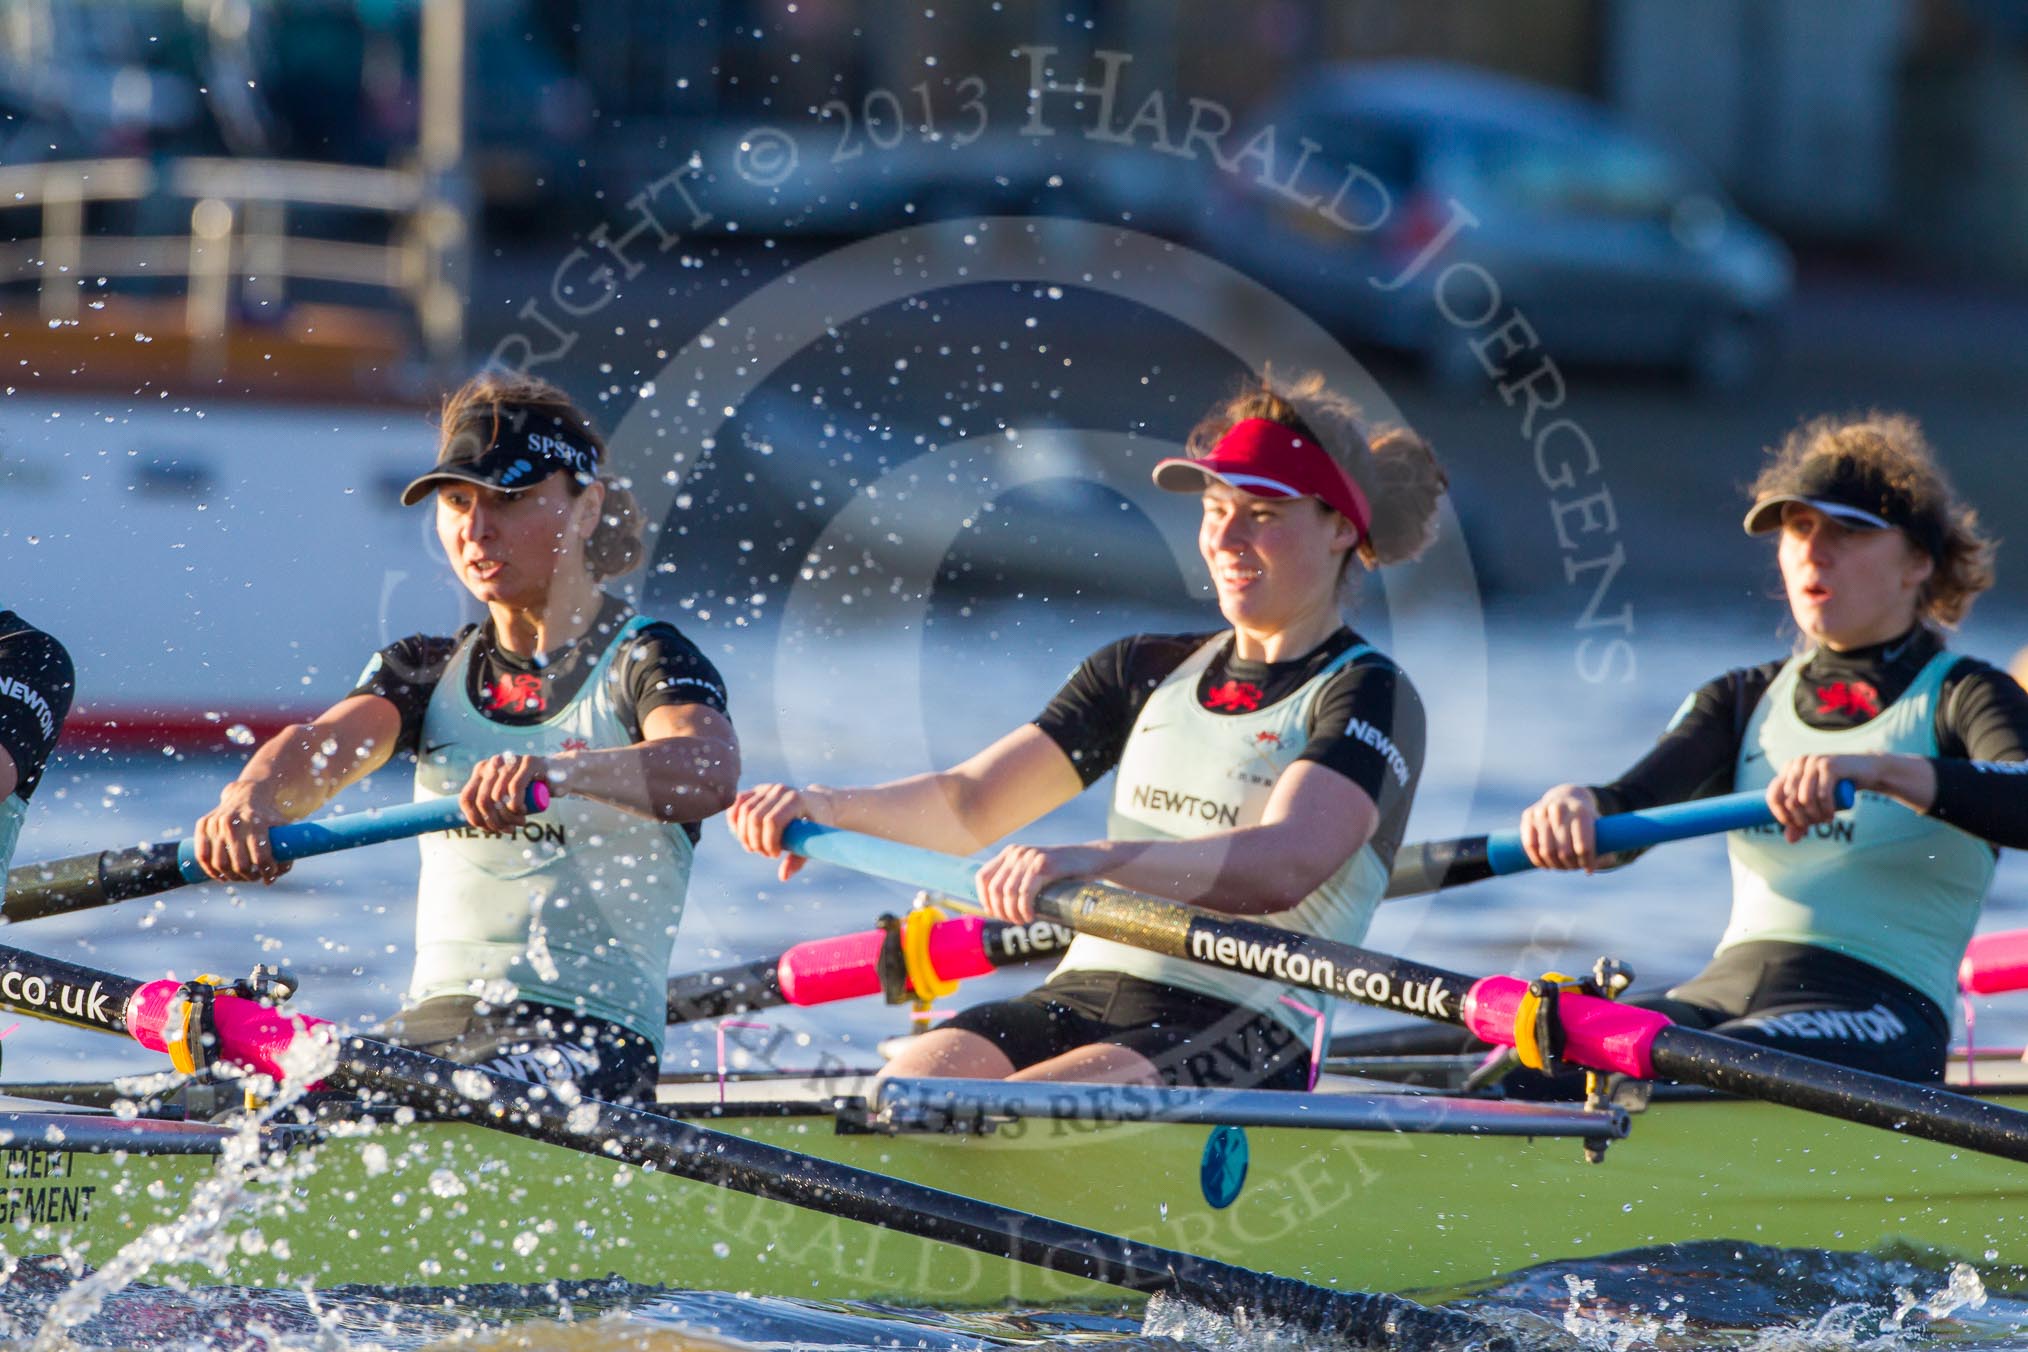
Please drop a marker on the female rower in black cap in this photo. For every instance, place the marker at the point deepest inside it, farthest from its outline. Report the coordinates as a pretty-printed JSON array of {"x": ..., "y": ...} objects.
[
  {"x": 1847, "y": 926},
  {"x": 542, "y": 940},
  {"x": 36, "y": 682},
  {"x": 1265, "y": 768}
]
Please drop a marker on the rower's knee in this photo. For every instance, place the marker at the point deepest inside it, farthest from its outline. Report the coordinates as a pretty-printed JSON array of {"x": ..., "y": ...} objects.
[
  {"x": 949, "y": 1053},
  {"x": 1095, "y": 1063}
]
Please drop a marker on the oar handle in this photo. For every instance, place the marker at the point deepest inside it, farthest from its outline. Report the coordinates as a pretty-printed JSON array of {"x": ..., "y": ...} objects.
[
  {"x": 376, "y": 826},
  {"x": 1431, "y": 866},
  {"x": 926, "y": 869},
  {"x": 1625, "y": 831},
  {"x": 87, "y": 880}
]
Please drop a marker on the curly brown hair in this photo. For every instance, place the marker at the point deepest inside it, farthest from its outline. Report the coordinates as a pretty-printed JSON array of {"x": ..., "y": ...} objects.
[
  {"x": 1394, "y": 467},
  {"x": 475, "y": 409},
  {"x": 1891, "y": 448}
]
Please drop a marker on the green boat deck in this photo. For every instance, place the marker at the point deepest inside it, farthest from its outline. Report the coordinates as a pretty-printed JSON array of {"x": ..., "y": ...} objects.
[{"x": 441, "y": 1204}]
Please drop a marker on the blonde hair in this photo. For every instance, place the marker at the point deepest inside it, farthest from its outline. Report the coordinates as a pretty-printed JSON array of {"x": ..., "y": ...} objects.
[
  {"x": 1891, "y": 447},
  {"x": 1394, "y": 467},
  {"x": 475, "y": 409}
]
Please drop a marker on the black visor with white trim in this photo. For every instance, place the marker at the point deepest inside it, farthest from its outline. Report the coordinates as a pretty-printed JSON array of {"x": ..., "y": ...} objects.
[
  {"x": 1853, "y": 495},
  {"x": 514, "y": 449}
]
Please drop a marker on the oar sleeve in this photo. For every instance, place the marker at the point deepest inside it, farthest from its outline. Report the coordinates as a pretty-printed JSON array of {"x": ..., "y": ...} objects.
[{"x": 87, "y": 880}]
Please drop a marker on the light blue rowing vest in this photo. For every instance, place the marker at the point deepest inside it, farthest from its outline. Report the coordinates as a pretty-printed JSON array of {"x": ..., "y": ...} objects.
[
  {"x": 1879, "y": 882},
  {"x": 1188, "y": 772},
  {"x": 579, "y": 907}
]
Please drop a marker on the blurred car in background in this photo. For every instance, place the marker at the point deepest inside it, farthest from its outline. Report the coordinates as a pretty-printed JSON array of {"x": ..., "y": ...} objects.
[{"x": 1616, "y": 249}]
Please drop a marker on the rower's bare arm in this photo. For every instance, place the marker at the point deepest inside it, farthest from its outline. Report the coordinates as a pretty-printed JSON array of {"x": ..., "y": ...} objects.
[
  {"x": 1315, "y": 820},
  {"x": 10, "y": 773},
  {"x": 685, "y": 768},
  {"x": 289, "y": 776},
  {"x": 1017, "y": 779},
  {"x": 1805, "y": 790}
]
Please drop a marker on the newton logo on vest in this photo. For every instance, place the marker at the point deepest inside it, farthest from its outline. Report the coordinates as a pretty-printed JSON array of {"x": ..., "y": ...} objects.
[{"x": 1185, "y": 805}]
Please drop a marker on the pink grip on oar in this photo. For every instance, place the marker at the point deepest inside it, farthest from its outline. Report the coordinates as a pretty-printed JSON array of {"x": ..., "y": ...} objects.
[
  {"x": 1601, "y": 1034},
  {"x": 250, "y": 1033},
  {"x": 822, "y": 970},
  {"x": 538, "y": 796},
  {"x": 847, "y": 967},
  {"x": 957, "y": 948},
  {"x": 1995, "y": 963}
]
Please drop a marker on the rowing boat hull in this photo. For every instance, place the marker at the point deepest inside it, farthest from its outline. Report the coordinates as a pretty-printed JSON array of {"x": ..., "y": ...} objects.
[{"x": 441, "y": 1204}]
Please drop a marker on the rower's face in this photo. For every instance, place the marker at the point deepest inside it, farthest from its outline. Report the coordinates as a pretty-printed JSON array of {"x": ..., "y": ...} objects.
[
  {"x": 1848, "y": 587},
  {"x": 507, "y": 547},
  {"x": 1271, "y": 559}
]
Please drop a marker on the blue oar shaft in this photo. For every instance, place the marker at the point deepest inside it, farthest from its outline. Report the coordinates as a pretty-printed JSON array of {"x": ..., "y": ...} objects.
[
  {"x": 83, "y": 881},
  {"x": 1502, "y": 852},
  {"x": 911, "y": 864},
  {"x": 1436, "y": 865},
  {"x": 328, "y": 835},
  {"x": 1625, "y": 831}
]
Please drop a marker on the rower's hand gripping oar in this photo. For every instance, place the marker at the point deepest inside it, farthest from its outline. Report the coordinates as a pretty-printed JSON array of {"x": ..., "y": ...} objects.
[
  {"x": 1597, "y": 1033},
  {"x": 917, "y": 956},
  {"x": 87, "y": 880},
  {"x": 1434, "y": 865},
  {"x": 254, "y": 1037}
]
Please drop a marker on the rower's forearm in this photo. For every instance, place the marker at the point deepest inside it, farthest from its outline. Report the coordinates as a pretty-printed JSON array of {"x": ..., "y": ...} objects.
[
  {"x": 1244, "y": 872},
  {"x": 303, "y": 767},
  {"x": 677, "y": 779},
  {"x": 932, "y": 811},
  {"x": 1910, "y": 780}
]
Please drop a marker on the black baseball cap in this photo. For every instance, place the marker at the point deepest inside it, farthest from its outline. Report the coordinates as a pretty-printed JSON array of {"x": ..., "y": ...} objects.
[
  {"x": 509, "y": 448},
  {"x": 1853, "y": 494}
]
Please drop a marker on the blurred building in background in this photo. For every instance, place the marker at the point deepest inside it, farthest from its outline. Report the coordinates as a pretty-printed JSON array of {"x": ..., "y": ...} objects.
[{"x": 1884, "y": 123}]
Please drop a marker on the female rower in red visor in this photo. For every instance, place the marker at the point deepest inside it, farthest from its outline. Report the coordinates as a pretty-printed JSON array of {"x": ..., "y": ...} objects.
[{"x": 1265, "y": 768}]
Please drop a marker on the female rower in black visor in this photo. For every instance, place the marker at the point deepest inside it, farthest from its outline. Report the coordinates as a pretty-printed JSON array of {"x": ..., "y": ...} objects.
[
  {"x": 1847, "y": 926},
  {"x": 36, "y": 682},
  {"x": 542, "y": 939}
]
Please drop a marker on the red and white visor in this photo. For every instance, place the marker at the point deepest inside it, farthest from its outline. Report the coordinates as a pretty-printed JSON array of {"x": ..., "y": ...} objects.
[{"x": 1270, "y": 460}]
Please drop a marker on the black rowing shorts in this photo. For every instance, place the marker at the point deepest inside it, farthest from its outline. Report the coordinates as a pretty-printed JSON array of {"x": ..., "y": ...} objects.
[
  {"x": 1190, "y": 1039},
  {"x": 1814, "y": 1002},
  {"x": 544, "y": 1044}
]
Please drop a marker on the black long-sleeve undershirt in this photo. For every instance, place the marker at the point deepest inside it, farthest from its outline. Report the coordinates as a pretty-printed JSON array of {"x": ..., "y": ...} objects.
[{"x": 1981, "y": 730}]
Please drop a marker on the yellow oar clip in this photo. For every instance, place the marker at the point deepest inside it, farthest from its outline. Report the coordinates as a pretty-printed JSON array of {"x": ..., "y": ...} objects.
[{"x": 915, "y": 958}]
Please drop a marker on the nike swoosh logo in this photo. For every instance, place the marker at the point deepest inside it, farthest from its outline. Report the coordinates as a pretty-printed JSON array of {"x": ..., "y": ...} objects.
[
  {"x": 432, "y": 750},
  {"x": 1754, "y": 756}
]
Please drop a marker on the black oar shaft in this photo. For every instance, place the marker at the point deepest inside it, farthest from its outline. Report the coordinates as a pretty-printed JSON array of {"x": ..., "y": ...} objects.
[
  {"x": 770, "y": 1172},
  {"x": 35, "y": 891},
  {"x": 1255, "y": 949},
  {"x": 1934, "y": 1113},
  {"x": 1434, "y": 865},
  {"x": 726, "y": 991},
  {"x": 47, "y": 988}
]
